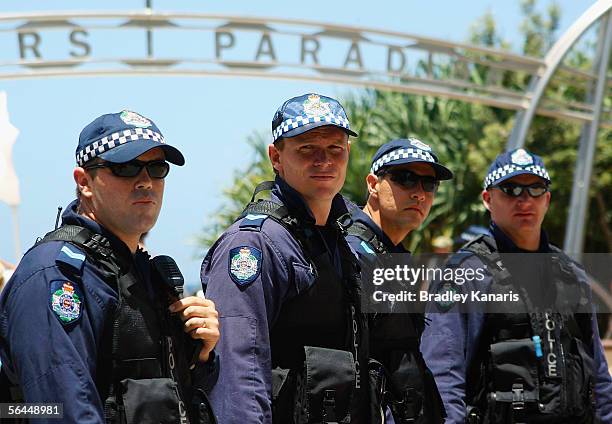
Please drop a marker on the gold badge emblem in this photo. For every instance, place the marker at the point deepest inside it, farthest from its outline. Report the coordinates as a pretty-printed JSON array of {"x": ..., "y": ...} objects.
[{"x": 314, "y": 106}]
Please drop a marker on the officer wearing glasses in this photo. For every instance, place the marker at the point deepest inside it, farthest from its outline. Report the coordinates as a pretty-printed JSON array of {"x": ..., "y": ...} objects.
[
  {"x": 88, "y": 320},
  {"x": 535, "y": 355},
  {"x": 402, "y": 183}
]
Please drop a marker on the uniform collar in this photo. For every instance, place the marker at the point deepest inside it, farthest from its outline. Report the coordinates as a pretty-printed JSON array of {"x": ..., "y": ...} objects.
[
  {"x": 505, "y": 243},
  {"x": 72, "y": 217},
  {"x": 298, "y": 207},
  {"x": 360, "y": 216}
]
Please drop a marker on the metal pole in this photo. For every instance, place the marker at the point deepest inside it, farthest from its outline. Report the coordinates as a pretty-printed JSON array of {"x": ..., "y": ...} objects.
[
  {"x": 149, "y": 32},
  {"x": 574, "y": 230},
  {"x": 552, "y": 61},
  {"x": 516, "y": 138}
]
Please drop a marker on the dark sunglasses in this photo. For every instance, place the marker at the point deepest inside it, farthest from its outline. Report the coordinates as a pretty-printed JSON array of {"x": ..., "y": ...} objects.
[
  {"x": 516, "y": 190},
  {"x": 409, "y": 179},
  {"x": 156, "y": 168}
]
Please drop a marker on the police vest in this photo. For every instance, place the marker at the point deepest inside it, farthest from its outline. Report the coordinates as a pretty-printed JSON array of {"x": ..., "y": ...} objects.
[
  {"x": 143, "y": 374},
  {"x": 319, "y": 359},
  {"x": 533, "y": 364},
  {"x": 411, "y": 391}
]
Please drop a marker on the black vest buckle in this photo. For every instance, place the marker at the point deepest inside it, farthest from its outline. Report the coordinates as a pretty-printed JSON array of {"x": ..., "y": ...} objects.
[
  {"x": 329, "y": 406},
  {"x": 518, "y": 397},
  {"x": 473, "y": 415},
  {"x": 518, "y": 403},
  {"x": 99, "y": 244},
  {"x": 344, "y": 222}
]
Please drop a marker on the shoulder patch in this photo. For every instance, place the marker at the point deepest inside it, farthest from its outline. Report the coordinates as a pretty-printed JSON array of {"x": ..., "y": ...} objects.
[
  {"x": 71, "y": 256},
  {"x": 66, "y": 301},
  {"x": 446, "y": 296},
  {"x": 244, "y": 264}
]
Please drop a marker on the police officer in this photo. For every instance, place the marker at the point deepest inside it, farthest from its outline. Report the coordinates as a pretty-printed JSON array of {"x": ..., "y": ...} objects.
[
  {"x": 402, "y": 182},
  {"x": 534, "y": 356},
  {"x": 90, "y": 321},
  {"x": 293, "y": 345}
]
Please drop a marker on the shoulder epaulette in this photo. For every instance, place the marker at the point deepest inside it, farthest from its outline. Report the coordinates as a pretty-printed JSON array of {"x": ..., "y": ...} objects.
[
  {"x": 71, "y": 256},
  {"x": 253, "y": 222}
]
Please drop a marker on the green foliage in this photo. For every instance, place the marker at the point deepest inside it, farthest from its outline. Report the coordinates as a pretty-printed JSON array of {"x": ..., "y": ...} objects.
[
  {"x": 539, "y": 31},
  {"x": 466, "y": 137}
]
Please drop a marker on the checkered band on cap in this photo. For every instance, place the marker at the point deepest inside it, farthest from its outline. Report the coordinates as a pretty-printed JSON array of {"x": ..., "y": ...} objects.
[
  {"x": 300, "y": 121},
  {"x": 115, "y": 139},
  {"x": 401, "y": 154},
  {"x": 501, "y": 172}
]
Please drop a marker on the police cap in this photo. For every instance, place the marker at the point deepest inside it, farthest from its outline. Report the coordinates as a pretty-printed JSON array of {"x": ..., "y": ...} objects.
[
  {"x": 306, "y": 112},
  {"x": 122, "y": 137},
  {"x": 408, "y": 150}
]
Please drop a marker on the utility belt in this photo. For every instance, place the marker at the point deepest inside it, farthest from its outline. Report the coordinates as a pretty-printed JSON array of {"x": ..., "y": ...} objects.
[
  {"x": 153, "y": 400},
  {"x": 322, "y": 391},
  {"x": 151, "y": 396},
  {"x": 403, "y": 393}
]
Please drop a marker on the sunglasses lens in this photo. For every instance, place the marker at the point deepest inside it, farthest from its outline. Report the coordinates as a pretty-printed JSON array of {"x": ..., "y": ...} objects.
[
  {"x": 405, "y": 179},
  {"x": 536, "y": 191},
  {"x": 127, "y": 170},
  {"x": 429, "y": 184},
  {"x": 158, "y": 169},
  {"x": 155, "y": 169},
  {"x": 516, "y": 190},
  {"x": 410, "y": 180}
]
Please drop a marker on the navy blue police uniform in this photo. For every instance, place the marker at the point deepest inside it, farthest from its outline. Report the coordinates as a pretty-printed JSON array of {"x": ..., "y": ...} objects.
[
  {"x": 500, "y": 365},
  {"x": 85, "y": 323},
  {"x": 290, "y": 349},
  {"x": 411, "y": 395}
]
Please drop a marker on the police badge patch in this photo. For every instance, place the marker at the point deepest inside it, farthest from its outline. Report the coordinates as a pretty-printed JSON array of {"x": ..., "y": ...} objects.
[
  {"x": 132, "y": 118},
  {"x": 244, "y": 264},
  {"x": 314, "y": 106},
  {"x": 445, "y": 298},
  {"x": 66, "y": 301},
  {"x": 420, "y": 145},
  {"x": 521, "y": 158}
]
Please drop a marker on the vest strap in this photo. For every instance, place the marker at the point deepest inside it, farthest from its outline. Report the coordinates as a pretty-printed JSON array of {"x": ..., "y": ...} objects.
[
  {"x": 263, "y": 186},
  {"x": 362, "y": 231}
]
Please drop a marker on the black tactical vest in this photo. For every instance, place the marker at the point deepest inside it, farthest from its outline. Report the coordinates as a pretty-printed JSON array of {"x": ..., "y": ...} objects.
[
  {"x": 319, "y": 360},
  {"x": 411, "y": 391},
  {"x": 533, "y": 364},
  {"x": 143, "y": 374}
]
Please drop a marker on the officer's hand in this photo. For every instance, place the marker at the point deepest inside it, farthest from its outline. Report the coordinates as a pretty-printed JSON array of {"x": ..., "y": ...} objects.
[{"x": 201, "y": 321}]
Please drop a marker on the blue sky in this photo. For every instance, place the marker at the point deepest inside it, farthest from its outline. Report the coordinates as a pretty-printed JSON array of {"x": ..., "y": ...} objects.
[{"x": 209, "y": 119}]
